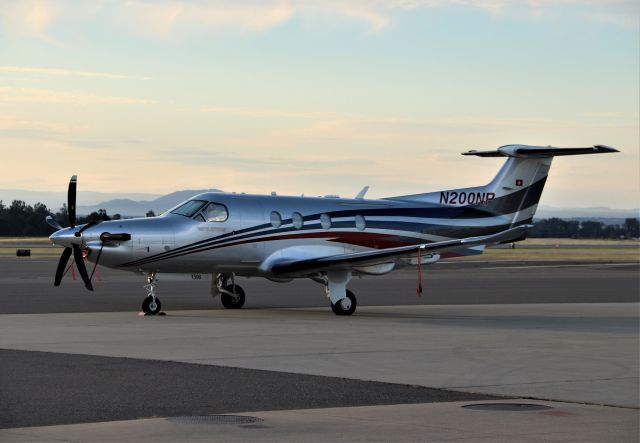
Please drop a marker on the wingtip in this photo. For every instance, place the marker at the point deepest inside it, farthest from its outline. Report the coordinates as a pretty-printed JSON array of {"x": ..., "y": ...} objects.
[{"x": 605, "y": 148}]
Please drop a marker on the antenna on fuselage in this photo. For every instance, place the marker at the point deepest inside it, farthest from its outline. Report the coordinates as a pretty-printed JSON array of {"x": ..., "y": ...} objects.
[{"x": 362, "y": 193}]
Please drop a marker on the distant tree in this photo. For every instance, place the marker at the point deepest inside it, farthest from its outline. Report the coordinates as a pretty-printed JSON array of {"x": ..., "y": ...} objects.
[
  {"x": 555, "y": 227},
  {"x": 62, "y": 216},
  {"x": 4, "y": 219},
  {"x": 18, "y": 207},
  {"x": 150, "y": 213},
  {"x": 610, "y": 231},
  {"x": 631, "y": 227},
  {"x": 116, "y": 217},
  {"x": 35, "y": 220},
  {"x": 591, "y": 229},
  {"x": 101, "y": 215},
  {"x": 20, "y": 219}
]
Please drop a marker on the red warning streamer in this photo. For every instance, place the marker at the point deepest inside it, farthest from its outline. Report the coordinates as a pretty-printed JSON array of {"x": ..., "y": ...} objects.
[{"x": 419, "y": 290}]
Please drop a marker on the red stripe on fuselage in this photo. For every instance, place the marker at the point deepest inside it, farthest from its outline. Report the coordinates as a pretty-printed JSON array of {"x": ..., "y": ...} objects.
[{"x": 364, "y": 239}]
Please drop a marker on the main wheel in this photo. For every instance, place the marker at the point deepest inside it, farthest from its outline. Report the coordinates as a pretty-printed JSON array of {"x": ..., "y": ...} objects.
[
  {"x": 235, "y": 301},
  {"x": 346, "y": 306},
  {"x": 151, "y": 306}
]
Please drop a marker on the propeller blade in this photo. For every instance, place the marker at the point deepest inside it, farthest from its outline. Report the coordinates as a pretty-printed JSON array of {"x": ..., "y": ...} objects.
[
  {"x": 77, "y": 255},
  {"x": 71, "y": 200},
  {"x": 62, "y": 264},
  {"x": 53, "y": 222}
]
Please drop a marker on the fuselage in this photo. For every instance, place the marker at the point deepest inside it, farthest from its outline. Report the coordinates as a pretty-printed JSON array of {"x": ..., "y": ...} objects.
[{"x": 250, "y": 230}]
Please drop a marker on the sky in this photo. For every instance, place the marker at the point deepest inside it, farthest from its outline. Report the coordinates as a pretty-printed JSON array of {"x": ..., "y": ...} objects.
[{"x": 315, "y": 98}]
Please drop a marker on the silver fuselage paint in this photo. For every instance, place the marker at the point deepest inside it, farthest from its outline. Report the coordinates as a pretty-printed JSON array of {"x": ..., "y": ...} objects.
[
  {"x": 247, "y": 241},
  {"x": 307, "y": 230}
]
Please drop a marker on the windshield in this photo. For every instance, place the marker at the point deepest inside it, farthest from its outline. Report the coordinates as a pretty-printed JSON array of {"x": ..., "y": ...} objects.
[{"x": 189, "y": 208}]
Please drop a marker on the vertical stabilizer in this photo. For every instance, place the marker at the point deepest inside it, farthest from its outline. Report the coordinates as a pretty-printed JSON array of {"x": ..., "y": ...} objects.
[{"x": 513, "y": 195}]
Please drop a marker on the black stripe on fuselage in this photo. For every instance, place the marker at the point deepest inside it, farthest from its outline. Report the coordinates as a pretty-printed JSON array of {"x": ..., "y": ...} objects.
[
  {"x": 522, "y": 199},
  {"x": 503, "y": 205},
  {"x": 275, "y": 234}
]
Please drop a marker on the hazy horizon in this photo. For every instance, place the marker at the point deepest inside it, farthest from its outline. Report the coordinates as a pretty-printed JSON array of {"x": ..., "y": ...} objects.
[
  {"x": 317, "y": 97},
  {"x": 94, "y": 199}
]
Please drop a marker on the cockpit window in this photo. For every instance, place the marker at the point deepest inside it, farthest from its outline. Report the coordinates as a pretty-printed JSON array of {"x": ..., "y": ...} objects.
[
  {"x": 215, "y": 212},
  {"x": 189, "y": 208}
]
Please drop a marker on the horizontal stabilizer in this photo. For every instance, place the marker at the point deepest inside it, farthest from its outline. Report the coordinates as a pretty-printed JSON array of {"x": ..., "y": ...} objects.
[{"x": 524, "y": 151}]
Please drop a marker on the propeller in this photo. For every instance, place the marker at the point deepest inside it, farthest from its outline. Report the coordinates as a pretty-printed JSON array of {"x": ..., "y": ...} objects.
[
  {"x": 75, "y": 248},
  {"x": 67, "y": 238}
]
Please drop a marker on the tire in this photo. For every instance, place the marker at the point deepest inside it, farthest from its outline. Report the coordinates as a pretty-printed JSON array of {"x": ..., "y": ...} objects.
[
  {"x": 150, "y": 309},
  {"x": 340, "y": 308},
  {"x": 231, "y": 301}
]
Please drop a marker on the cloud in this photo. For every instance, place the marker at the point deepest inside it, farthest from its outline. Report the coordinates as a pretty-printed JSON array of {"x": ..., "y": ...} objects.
[
  {"x": 163, "y": 18},
  {"x": 28, "y": 17},
  {"x": 37, "y": 95},
  {"x": 64, "y": 72},
  {"x": 159, "y": 18},
  {"x": 15, "y": 123},
  {"x": 266, "y": 112},
  {"x": 298, "y": 163}
]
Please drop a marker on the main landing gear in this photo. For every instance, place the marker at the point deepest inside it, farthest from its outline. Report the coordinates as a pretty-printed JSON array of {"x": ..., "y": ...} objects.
[
  {"x": 231, "y": 295},
  {"x": 151, "y": 304},
  {"x": 346, "y": 306},
  {"x": 343, "y": 301}
]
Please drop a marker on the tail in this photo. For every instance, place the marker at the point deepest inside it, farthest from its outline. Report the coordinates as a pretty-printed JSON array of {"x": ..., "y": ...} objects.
[{"x": 514, "y": 193}]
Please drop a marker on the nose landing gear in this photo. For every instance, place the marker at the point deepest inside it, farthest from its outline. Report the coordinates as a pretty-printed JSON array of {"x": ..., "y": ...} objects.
[{"x": 151, "y": 304}]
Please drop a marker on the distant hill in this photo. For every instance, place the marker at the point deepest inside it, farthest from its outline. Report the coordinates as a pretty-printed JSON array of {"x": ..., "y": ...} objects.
[
  {"x": 134, "y": 208},
  {"x": 608, "y": 216},
  {"x": 131, "y": 208},
  {"x": 54, "y": 200},
  {"x": 138, "y": 204}
]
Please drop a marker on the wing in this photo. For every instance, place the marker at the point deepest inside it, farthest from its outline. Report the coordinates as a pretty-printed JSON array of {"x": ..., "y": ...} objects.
[{"x": 347, "y": 261}]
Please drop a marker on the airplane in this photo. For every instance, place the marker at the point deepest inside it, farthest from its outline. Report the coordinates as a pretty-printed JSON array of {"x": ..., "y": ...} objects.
[{"x": 326, "y": 239}]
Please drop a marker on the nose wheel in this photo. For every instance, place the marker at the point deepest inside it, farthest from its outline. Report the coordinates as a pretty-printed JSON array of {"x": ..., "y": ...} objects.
[{"x": 151, "y": 304}]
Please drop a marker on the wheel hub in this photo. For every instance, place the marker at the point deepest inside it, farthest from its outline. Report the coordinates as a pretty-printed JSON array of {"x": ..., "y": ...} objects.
[{"x": 345, "y": 303}]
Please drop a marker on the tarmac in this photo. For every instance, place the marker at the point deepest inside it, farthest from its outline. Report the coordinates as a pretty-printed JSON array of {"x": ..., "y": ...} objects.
[{"x": 86, "y": 367}]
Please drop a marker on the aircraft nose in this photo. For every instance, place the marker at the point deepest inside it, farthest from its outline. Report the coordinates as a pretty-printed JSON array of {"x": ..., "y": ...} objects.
[{"x": 65, "y": 237}]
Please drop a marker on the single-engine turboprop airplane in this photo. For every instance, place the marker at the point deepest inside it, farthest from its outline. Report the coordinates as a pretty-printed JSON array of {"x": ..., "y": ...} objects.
[{"x": 326, "y": 239}]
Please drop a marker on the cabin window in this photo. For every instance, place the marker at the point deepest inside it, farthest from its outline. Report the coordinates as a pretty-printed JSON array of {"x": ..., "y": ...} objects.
[
  {"x": 276, "y": 219},
  {"x": 189, "y": 208},
  {"x": 325, "y": 221},
  {"x": 297, "y": 220},
  {"x": 199, "y": 217},
  {"x": 215, "y": 213},
  {"x": 361, "y": 224}
]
